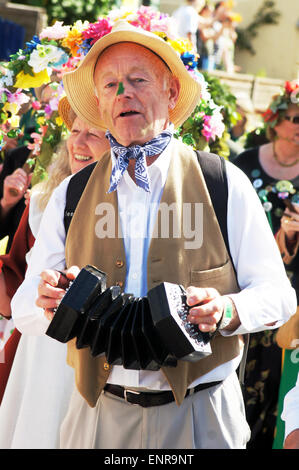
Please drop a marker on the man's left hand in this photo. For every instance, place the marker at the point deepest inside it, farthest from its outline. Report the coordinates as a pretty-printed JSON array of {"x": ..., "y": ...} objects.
[{"x": 207, "y": 309}]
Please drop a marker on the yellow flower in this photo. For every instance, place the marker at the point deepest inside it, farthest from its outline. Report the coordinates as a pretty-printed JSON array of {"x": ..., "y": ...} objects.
[
  {"x": 59, "y": 121},
  {"x": 161, "y": 34},
  {"x": 14, "y": 121},
  {"x": 235, "y": 17},
  {"x": 41, "y": 120},
  {"x": 74, "y": 38},
  {"x": 181, "y": 45},
  {"x": 24, "y": 80},
  {"x": 11, "y": 108}
]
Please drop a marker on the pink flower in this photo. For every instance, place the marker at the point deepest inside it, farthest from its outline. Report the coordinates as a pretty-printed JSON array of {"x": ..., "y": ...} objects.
[
  {"x": 18, "y": 97},
  {"x": 36, "y": 144},
  {"x": 37, "y": 137},
  {"x": 97, "y": 30},
  {"x": 36, "y": 105},
  {"x": 48, "y": 109},
  {"x": 213, "y": 126},
  {"x": 54, "y": 103},
  {"x": 291, "y": 86},
  {"x": 145, "y": 17},
  {"x": 69, "y": 66}
]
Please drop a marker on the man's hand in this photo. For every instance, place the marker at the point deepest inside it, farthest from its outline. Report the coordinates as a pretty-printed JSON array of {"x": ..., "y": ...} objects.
[
  {"x": 52, "y": 288},
  {"x": 207, "y": 309},
  {"x": 292, "y": 440}
]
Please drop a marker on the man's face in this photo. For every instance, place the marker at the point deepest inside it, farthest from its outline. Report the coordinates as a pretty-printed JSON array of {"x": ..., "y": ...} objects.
[{"x": 135, "y": 92}]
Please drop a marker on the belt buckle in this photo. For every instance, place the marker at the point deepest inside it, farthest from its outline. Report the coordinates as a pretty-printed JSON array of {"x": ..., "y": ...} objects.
[{"x": 126, "y": 390}]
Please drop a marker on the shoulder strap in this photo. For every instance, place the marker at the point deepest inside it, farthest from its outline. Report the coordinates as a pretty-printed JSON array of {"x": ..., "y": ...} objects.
[
  {"x": 214, "y": 171},
  {"x": 74, "y": 191}
]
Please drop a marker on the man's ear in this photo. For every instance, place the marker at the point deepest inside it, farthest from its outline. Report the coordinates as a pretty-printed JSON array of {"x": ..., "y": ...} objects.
[
  {"x": 174, "y": 91},
  {"x": 98, "y": 105}
]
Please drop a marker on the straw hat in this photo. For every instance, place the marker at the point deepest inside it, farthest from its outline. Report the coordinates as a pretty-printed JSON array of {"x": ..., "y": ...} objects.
[
  {"x": 79, "y": 84},
  {"x": 66, "y": 113}
]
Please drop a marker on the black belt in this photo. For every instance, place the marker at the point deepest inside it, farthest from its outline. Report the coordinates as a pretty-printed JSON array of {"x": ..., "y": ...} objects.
[{"x": 152, "y": 399}]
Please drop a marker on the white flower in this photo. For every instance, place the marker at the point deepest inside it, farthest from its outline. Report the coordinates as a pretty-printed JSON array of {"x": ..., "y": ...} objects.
[
  {"x": 7, "y": 79},
  {"x": 80, "y": 25},
  {"x": 44, "y": 55},
  {"x": 57, "y": 31}
]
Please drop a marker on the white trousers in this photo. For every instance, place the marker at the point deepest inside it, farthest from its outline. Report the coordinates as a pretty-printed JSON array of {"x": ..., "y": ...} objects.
[{"x": 210, "y": 419}]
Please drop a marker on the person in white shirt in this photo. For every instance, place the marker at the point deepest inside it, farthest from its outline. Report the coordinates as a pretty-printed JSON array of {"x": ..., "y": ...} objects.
[
  {"x": 36, "y": 397},
  {"x": 123, "y": 85},
  {"x": 290, "y": 415},
  {"x": 187, "y": 20}
]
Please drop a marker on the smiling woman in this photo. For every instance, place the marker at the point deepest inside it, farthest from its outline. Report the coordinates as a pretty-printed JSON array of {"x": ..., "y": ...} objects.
[{"x": 85, "y": 145}]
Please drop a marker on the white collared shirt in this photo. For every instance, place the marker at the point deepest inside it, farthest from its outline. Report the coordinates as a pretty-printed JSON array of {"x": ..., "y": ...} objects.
[{"x": 266, "y": 294}]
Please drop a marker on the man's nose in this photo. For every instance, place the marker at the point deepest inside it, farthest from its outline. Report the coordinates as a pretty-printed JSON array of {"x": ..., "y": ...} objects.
[{"x": 124, "y": 89}]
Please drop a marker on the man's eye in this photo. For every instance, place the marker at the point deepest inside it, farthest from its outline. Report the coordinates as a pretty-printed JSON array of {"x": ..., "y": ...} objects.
[{"x": 109, "y": 85}]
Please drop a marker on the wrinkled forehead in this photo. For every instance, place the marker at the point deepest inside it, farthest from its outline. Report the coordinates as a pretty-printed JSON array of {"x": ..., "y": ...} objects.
[{"x": 133, "y": 50}]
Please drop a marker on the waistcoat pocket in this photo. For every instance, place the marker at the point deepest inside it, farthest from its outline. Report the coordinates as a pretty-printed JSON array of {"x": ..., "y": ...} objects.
[{"x": 215, "y": 277}]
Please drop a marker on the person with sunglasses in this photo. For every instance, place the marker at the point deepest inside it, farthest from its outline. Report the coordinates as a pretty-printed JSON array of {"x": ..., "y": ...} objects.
[{"x": 273, "y": 169}]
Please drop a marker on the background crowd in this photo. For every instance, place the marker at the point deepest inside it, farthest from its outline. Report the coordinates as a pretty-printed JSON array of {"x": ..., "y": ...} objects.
[
  {"x": 42, "y": 141},
  {"x": 211, "y": 27}
]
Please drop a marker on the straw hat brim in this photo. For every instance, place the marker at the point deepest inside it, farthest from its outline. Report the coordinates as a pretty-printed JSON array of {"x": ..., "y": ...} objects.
[
  {"x": 79, "y": 84},
  {"x": 66, "y": 113}
]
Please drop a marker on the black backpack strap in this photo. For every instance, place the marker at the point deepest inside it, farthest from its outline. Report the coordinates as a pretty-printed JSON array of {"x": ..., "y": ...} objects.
[
  {"x": 74, "y": 191},
  {"x": 214, "y": 171}
]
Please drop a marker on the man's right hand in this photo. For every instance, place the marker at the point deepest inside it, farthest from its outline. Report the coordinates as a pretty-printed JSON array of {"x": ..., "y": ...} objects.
[{"x": 52, "y": 288}]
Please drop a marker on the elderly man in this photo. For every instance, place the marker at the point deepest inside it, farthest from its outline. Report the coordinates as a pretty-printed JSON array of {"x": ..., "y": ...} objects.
[{"x": 134, "y": 84}]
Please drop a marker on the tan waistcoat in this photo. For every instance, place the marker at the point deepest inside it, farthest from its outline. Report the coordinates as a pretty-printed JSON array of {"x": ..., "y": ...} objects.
[{"x": 168, "y": 261}]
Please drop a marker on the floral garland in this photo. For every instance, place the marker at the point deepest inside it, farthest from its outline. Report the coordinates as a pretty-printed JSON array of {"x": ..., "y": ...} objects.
[
  {"x": 288, "y": 95},
  {"x": 60, "y": 48}
]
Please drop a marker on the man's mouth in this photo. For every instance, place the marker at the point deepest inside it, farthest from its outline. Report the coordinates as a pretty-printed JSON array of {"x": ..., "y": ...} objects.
[{"x": 128, "y": 113}]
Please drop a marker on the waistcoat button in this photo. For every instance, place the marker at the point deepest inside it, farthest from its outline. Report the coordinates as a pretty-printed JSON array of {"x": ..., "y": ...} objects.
[
  {"x": 106, "y": 366},
  {"x": 119, "y": 283},
  {"x": 119, "y": 263}
]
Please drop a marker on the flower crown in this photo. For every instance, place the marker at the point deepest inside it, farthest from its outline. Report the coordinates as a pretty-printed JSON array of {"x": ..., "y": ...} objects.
[
  {"x": 276, "y": 111},
  {"x": 59, "y": 49}
]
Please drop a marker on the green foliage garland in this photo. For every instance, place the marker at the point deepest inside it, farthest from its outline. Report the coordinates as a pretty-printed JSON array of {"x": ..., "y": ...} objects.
[{"x": 266, "y": 15}]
